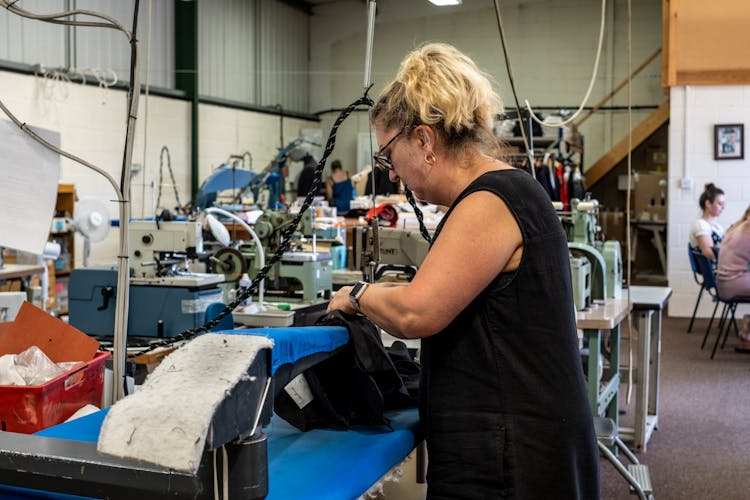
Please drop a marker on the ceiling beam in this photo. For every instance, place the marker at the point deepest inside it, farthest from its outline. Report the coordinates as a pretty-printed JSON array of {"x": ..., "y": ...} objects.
[{"x": 300, "y": 5}]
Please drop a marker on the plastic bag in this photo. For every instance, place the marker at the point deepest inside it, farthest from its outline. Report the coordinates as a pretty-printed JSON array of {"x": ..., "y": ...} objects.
[
  {"x": 8, "y": 373},
  {"x": 31, "y": 367}
]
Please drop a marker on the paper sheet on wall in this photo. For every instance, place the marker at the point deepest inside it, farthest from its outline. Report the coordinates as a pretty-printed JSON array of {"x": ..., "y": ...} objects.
[{"x": 29, "y": 174}]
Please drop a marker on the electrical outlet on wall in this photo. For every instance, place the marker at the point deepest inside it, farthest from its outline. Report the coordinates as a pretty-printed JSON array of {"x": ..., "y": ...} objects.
[{"x": 686, "y": 183}]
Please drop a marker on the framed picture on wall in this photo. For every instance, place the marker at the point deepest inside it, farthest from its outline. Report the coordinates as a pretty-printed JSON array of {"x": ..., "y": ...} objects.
[{"x": 729, "y": 142}]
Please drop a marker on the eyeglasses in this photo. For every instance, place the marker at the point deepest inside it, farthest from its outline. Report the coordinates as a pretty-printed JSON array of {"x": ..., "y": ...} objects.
[{"x": 384, "y": 162}]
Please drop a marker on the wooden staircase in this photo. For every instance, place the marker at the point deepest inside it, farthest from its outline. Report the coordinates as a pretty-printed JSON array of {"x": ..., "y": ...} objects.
[{"x": 640, "y": 133}]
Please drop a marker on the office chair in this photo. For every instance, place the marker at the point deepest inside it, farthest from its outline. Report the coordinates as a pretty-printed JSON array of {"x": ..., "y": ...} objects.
[
  {"x": 213, "y": 310},
  {"x": 698, "y": 277},
  {"x": 729, "y": 308}
]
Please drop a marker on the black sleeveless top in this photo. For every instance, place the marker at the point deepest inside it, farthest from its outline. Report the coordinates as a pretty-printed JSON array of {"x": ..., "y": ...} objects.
[{"x": 503, "y": 399}]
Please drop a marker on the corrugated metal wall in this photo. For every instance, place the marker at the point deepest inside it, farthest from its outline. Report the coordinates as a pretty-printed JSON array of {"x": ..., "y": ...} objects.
[
  {"x": 109, "y": 49},
  {"x": 96, "y": 49},
  {"x": 254, "y": 51},
  {"x": 284, "y": 67},
  {"x": 250, "y": 51},
  {"x": 33, "y": 42},
  {"x": 227, "y": 49}
]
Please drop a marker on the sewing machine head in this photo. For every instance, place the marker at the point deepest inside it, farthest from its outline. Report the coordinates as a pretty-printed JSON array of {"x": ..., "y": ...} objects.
[
  {"x": 160, "y": 253},
  {"x": 399, "y": 248},
  {"x": 585, "y": 215},
  {"x": 601, "y": 279},
  {"x": 303, "y": 269}
]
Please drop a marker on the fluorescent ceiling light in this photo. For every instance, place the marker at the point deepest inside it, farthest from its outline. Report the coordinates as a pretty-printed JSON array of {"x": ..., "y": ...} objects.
[{"x": 443, "y": 3}]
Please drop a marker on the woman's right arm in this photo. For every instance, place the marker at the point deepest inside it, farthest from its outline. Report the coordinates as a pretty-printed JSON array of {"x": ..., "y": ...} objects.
[{"x": 706, "y": 245}]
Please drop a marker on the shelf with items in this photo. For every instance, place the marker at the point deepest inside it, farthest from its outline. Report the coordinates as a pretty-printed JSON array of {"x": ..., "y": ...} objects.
[{"x": 62, "y": 232}]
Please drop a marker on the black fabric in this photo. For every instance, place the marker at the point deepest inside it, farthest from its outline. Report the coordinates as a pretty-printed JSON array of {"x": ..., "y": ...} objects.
[
  {"x": 383, "y": 184},
  {"x": 353, "y": 387},
  {"x": 372, "y": 358},
  {"x": 408, "y": 369},
  {"x": 503, "y": 400}
]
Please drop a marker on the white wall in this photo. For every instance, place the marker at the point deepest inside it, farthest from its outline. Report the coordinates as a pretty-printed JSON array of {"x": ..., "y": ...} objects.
[
  {"x": 91, "y": 123},
  {"x": 705, "y": 107},
  {"x": 552, "y": 47}
]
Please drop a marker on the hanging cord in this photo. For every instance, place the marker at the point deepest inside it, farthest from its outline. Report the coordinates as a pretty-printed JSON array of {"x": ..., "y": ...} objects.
[
  {"x": 627, "y": 211},
  {"x": 420, "y": 218},
  {"x": 123, "y": 189},
  {"x": 164, "y": 149},
  {"x": 249, "y": 157},
  {"x": 509, "y": 70},
  {"x": 110, "y": 23},
  {"x": 145, "y": 113},
  {"x": 286, "y": 237},
  {"x": 591, "y": 83}
]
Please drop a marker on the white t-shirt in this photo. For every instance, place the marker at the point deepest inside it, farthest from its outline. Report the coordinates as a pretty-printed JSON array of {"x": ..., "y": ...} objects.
[{"x": 701, "y": 227}]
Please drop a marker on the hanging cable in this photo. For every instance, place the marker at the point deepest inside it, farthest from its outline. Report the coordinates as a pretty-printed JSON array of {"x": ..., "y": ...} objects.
[
  {"x": 286, "y": 238},
  {"x": 164, "y": 150},
  {"x": 123, "y": 190},
  {"x": 420, "y": 217},
  {"x": 110, "y": 23},
  {"x": 509, "y": 70},
  {"x": 145, "y": 113},
  {"x": 591, "y": 82},
  {"x": 627, "y": 204}
]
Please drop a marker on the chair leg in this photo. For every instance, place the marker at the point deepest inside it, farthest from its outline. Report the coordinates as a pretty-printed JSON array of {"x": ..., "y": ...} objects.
[
  {"x": 695, "y": 309},
  {"x": 708, "y": 330},
  {"x": 724, "y": 323},
  {"x": 732, "y": 322}
]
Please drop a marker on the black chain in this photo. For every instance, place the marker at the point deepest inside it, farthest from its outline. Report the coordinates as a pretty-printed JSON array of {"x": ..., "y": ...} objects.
[
  {"x": 420, "y": 218},
  {"x": 286, "y": 237},
  {"x": 171, "y": 176}
]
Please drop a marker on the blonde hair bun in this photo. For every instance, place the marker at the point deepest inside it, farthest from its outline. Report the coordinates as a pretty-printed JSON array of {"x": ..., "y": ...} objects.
[{"x": 438, "y": 85}]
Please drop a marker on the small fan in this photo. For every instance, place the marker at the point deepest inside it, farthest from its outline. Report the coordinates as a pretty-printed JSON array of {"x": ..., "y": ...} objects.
[{"x": 91, "y": 219}]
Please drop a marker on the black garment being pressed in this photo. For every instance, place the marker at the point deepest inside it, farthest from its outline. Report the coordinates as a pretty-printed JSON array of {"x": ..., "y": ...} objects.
[{"x": 503, "y": 399}]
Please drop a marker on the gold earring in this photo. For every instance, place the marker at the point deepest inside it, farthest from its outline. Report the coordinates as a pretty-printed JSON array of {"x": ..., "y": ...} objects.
[{"x": 429, "y": 158}]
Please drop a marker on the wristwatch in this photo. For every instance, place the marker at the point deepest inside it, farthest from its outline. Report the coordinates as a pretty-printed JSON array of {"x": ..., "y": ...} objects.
[{"x": 357, "y": 291}]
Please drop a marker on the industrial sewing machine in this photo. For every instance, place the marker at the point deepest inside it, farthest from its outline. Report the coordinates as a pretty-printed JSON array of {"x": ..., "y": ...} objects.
[
  {"x": 596, "y": 266},
  {"x": 400, "y": 250},
  {"x": 166, "y": 298},
  {"x": 302, "y": 272}
]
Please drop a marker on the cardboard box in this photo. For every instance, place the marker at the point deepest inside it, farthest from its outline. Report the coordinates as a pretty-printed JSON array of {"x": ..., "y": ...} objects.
[
  {"x": 613, "y": 226},
  {"x": 32, "y": 408},
  {"x": 650, "y": 197}
]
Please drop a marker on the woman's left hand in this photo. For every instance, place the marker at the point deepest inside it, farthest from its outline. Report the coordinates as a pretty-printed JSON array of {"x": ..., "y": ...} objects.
[{"x": 341, "y": 301}]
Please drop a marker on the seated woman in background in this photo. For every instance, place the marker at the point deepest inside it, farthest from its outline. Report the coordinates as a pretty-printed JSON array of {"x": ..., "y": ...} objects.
[
  {"x": 733, "y": 275},
  {"x": 339, "y": 188},
  {"x": 706, "y": 233},
  {"x": 742, "y": 219}
]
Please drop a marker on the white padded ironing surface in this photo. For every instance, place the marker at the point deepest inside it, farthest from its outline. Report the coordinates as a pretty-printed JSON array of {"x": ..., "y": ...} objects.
[{"x": 166, "y": 421}]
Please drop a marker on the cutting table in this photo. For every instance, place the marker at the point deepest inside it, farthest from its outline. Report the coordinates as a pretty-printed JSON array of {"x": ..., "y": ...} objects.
[{"x": 320, "y": 463}]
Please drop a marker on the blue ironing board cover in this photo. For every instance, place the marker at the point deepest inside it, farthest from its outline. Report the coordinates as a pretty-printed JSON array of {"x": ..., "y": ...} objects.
[
  {"x": 320, "y": 464},
  {"x": 294, "y": 343}
]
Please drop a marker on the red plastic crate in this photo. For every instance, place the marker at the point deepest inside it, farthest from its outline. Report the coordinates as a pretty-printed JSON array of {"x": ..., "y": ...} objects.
[{"x": 29, "y": 409}]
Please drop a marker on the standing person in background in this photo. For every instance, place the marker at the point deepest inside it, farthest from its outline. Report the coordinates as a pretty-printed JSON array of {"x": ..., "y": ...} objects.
[
  {"x": 706, "y": 233},
  {"x": 503, "y": 403},
  {"x": 339, "y": 188},
  {"x": 306, "y": 176}
]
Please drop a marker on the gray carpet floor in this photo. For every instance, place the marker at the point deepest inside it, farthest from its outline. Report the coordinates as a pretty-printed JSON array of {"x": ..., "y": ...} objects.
[{"x": 701, "y": 449}]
